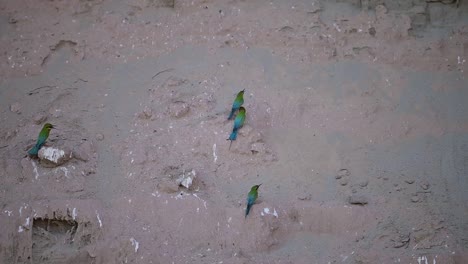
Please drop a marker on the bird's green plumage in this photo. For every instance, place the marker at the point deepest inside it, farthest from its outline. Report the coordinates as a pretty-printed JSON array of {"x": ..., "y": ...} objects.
[
  {"x": 238, "y": 123},
  {"x": 237, "y": 103},
  {"x": 251, "y": 198},
  {"x": 41, "y": 139}
]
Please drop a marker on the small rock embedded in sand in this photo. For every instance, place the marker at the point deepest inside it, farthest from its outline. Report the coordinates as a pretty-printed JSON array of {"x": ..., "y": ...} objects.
[
  {"x": 89, "y": 170},
  {"x": 53, "y": 157},
  {"x": 363, "y": 183},
  {"x": 15, "y": 108},
  {"x": 39, "y": 118},
  {"x": 401, "y": 241},
  {"x": 304, "y": 197},
  {"x": 425, "y": 185},
  {"x": 147, "y": 113},
  {"x": 358, "y": 199},
  {"x": 343, "y": 181},
  {"x": 381, "y": 10},
  {"x": 186, "y": 179},
  {"x": 342, "y": 173},
  {"x": 409, "y": 181},
  {"x": 414, "y": 199},
  {"x": 99, "y": 137},
  {"x": 135, "y": 243},
  {"x": 286, "y": 29},
  {"x": 178, "y": 109}
]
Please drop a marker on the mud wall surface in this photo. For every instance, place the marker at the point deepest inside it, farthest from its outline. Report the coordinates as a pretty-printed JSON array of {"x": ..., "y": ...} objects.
[{"x": 357, "y": 129}]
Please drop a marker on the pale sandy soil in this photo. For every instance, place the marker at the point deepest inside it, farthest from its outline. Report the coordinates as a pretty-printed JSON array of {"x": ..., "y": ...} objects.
[{"x": 356, "y": 126}]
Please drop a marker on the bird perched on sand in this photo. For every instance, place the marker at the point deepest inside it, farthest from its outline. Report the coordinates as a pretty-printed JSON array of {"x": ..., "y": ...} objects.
[
  {"x": 237, "y": 103},
  {"x": 238, "y": 123},
  {"x": 251, "y": 198},
  {"x": 43, "y": 135}
]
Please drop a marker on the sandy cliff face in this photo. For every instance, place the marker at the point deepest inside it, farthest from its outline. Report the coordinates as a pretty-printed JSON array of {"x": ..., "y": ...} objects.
[{"x": 356, "y": 127}]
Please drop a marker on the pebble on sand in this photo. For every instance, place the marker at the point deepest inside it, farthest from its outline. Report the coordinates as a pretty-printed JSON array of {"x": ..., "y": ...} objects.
[
  {"x": 425, "y": 185},
  {"x": 15, "y": 108},
  {"x": 99, "y": 137},
  {"x": 186, "y": 179},
  {"x": 147, "y": 113},
  {"x": 363, "y": 183},
  {"x": 342, "y": 173},
  {"x": 358, "y": 199},
  {"x": 415, "y": 199},
  {"x": 343, "y": 181},
  {"x": 409, "y": 181},
  {"x": 53, "y": 157}
]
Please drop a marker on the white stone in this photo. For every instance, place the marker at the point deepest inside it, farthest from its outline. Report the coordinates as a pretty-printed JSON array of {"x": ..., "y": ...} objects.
[
  {"x": 186, "y": 179},
  {"x": 52, "y": 156}
]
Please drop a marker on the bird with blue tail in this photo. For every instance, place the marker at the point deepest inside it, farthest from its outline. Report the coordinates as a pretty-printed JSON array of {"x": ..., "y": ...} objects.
[
  {"x": 251, "y": 198},
  {"x": 238, "y": 123},
  {"x": 237, "y": 104},
  {"x": 41, "y": 139}
]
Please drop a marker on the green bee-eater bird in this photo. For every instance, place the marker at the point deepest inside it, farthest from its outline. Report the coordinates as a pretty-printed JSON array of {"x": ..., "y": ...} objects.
[
  {"x": 237, "y": 103},
  {"x": 43, "y": 135},
  {"x": 251, "y": 198},
  {"x": 238, "y": 123}
]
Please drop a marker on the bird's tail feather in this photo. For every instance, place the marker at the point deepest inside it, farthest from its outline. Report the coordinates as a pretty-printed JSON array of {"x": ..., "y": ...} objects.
[
  {"x": 231, "y": 115},
  {"x": 34, "y": 151},
  {"x": 233, "y": 135},
  {"x": 247, "y": 210}
]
